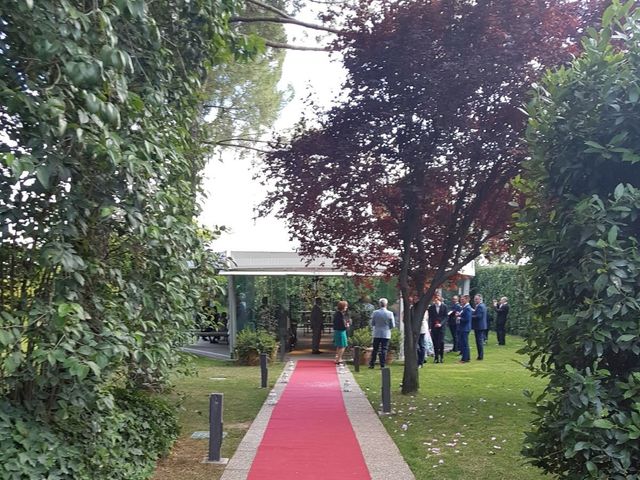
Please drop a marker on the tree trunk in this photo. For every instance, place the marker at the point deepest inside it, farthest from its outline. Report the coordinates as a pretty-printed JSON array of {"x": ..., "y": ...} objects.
[
  {"x": 410, "y": 380},
  {"x": 412, "y": 322}
]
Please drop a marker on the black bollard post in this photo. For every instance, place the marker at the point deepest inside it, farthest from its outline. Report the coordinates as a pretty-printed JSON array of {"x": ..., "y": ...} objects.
[
  {"x": 356, "y": 358},
  {"x": 264, "y": 372},
  {"x": 215, "y": 426},
  {"x": 386, "y": 390}
]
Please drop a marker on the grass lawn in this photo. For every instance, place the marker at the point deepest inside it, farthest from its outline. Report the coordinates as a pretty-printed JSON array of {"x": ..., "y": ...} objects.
[
  {"x": 467, "y": 421},
  {"x": 242, "y": 401}
]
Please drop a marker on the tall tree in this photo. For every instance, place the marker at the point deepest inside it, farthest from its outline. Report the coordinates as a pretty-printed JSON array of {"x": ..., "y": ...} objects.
[
  {"x": 581, "y": 231},
  {"x": 243, "y": 97},
  {"x": 410, "y": 173}
]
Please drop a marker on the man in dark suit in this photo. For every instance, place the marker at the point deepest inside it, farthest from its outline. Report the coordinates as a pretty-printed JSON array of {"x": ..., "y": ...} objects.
[
  {"x": 479, "y": 324},
  {"x": 464, "y": 327},
  {"x": 317, "y": 324},
  {"x": 454, "y": 319},
  {"x": 438, "y": 315},
  {"x": 502, "y": 310}
]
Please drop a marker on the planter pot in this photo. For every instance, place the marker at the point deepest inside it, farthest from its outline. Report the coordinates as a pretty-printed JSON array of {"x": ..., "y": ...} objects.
[
  {"x": 365, "y": 355},
  {"x": 253, "y": 358},
  {"x": 249, "y": 358},
  {"x": 390, "y": 356}
]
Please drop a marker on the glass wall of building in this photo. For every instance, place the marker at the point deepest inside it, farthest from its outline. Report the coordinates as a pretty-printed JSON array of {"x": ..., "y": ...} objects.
[{"x": 261, "y": 299}]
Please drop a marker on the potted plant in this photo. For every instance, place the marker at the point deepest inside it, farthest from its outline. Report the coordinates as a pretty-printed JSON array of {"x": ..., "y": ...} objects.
[
  {"x": 250, "y": 344},
  {"x": 394, "y": 344},
  {"x": 362, "y": 337}
]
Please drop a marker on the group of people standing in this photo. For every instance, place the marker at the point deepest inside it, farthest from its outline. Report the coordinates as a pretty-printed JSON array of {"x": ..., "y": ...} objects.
[{"x": 461, "y": 318}]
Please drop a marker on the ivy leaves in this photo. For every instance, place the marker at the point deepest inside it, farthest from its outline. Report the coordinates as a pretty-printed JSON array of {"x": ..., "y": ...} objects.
[{"x": 100, "y": 157}]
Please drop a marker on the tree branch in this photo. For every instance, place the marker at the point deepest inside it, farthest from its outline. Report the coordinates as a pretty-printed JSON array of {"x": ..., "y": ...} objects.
[
  {"x": 287, "y": 46},
  {"x": 242, "y": 140},
  {"x": 236, "y": 145},
  {"x": 221, "y": 107},
  {"x": 288, "y": 20},
  {"x": 270, "y": 8}
]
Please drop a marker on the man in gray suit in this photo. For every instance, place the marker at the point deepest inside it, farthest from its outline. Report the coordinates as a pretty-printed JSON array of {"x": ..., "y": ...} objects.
[{"x": 382, "y": 322}]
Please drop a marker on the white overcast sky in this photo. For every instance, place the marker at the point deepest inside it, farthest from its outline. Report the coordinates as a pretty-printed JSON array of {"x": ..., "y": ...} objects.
[{"x": 232, "y": 193}]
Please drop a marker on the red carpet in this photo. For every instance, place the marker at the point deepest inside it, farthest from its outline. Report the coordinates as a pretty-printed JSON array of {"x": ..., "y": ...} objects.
[{"x": 309, "y": 435}]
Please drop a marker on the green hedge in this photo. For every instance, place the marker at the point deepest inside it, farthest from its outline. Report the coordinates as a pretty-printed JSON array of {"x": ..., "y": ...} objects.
[
  {"x": 122, "y": 442},
  {"x": 102, "y": 261},
  {"x": 495, "y": 281},
  {"x": 580, "y": 228}
]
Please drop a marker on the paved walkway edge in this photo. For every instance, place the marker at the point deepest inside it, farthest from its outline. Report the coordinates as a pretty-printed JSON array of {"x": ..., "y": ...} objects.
[
  {"x": 380, "y": 452},
  {"x": 240, "y": 464}
]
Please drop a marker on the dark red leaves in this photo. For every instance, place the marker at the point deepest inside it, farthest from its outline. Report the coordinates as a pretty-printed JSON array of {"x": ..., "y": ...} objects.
[{"x": 416, "y": 163}]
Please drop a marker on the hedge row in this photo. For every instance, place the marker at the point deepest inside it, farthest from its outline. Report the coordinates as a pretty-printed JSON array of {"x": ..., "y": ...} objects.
[
  {"x": 496, "y": 281},
  {"x": 121, "y": 444}
]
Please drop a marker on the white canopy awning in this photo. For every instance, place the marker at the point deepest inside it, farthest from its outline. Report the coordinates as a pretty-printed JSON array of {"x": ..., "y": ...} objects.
[
  {"x": 278, "y": 263},
  {"x": 290, "y": 263}
]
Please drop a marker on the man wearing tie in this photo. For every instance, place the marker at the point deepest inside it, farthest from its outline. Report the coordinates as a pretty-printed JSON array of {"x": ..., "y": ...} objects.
[
  {"x": 454, "y": 320},
  {"x": 437, "y": 320},
  {"x": 502, "y": 310},
  {"x": 464, "y": 327},
  {"x": 479, "y": 324}
]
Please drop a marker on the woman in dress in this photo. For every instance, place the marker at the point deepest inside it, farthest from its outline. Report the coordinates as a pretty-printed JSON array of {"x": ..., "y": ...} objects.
[{"x": 340, "y": 325}]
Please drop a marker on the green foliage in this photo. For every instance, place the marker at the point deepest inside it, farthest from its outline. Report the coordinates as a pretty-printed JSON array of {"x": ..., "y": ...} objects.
[
  {"x": 360, "y": 314},
  {"x": 102, "y": 264},
  {"x": 361, "y": 337},
  {"x": 244, "y": 96},
  {"x": 250, "y": 344},
  {"x": 510, "y": 281},
  {"x": 122, "y": 444},
  {"x": 394, "y": 342},
  {"x": 581, "y": 228}
]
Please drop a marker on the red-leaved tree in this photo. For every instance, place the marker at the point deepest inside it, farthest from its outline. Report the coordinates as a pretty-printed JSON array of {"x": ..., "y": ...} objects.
[{"x": 411, "y": 172}]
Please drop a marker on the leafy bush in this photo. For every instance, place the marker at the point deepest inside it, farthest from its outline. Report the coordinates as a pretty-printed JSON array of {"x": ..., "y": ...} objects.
[
  {"x": 361, "y": 337},
  {"x": 102, "y": 263},
  {"x": 250, "y": 344},
  {"x": 360, "y": 314},
  {"x": 509, "y": 281},
  {"x": 394, "y": 342},
  {"x": 121, "y": 443},
  {"x": 581, "y": 229}
]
